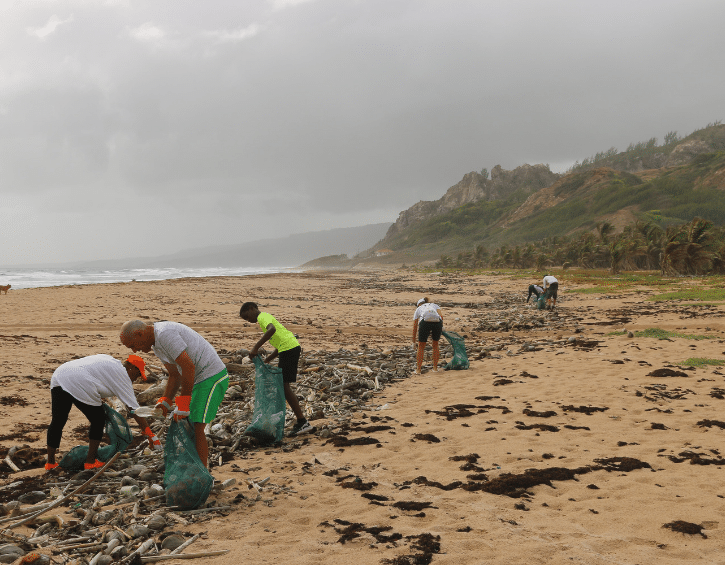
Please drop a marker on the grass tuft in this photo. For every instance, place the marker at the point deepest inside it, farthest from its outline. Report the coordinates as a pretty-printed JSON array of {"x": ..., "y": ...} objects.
[
  {"x": 702, "y": 362},
  {"x": 659, "y": 333}
]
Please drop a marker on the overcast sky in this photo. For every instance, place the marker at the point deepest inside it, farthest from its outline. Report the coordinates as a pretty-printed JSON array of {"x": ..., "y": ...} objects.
[{"x": 142, "y": 127}]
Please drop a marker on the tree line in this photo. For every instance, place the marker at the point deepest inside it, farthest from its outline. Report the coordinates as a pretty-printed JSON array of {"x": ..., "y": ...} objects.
[{"x": 693, "y": 248}]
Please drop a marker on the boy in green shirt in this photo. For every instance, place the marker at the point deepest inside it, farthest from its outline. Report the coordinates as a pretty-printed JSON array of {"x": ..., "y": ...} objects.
[{"x": 288, "y": 348}]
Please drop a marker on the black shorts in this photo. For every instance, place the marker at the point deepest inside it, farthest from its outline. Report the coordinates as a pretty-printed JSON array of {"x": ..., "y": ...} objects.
[
  {"x": 288, "y": 361},
  {"x": 553, "y": 290},
  {"x": 427, "y": 328}
]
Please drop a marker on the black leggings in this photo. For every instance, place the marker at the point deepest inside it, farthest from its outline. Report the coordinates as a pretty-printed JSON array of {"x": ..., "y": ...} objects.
[
  {"x": 61, "y": 402},
  {"x": 532, "y": 290}
]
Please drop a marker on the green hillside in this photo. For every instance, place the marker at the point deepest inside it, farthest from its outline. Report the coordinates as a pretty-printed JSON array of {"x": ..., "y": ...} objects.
[{"x": 586, "y": 197}]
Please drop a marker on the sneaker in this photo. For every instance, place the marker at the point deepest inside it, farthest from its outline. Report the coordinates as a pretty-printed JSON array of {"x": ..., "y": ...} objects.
[
  {"x": 97, "y": 465},
  {"x": 302, "y": 428},
  {"x": 50, "y": 466}
]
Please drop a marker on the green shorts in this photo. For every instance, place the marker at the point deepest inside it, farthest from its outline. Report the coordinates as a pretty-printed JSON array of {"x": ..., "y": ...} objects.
[{"x": 207, "y": 396}]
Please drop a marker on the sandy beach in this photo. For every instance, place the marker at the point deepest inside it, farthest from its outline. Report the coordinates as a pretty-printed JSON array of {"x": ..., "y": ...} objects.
[{"x": 617, "y": 451}]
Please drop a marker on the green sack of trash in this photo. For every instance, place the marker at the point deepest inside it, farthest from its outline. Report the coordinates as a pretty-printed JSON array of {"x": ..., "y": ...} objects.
[
  {"x": 541, "y": 301},
  {"x": 460, "y": 359},
  {"x": 267, "y": 425},
  {"x": 119, "y": 434},
  {"x": 187, "y": 481}
]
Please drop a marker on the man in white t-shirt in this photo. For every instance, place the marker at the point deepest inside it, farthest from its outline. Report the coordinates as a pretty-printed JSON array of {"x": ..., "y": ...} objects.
[
  {"x": 85, "y": 382},
  {"x": 427, "y": 321},
  {"x": 551, "y": 286},
  {"x": 195, "y": 371}
]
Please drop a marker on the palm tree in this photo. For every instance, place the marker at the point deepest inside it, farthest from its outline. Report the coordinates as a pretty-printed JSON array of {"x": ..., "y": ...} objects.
[{"x": 689, "y": 250}]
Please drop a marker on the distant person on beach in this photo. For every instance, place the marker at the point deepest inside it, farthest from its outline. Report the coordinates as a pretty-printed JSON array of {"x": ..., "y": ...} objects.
[
  {"x": 288, "y": 348},
  {"x": 427, "y": 321},
  {"x": 536, "y": 290},
  {"x": 551, "y": 284},
  {"x": 85, "y": 382},
  {"x": 195, "y": 371}
]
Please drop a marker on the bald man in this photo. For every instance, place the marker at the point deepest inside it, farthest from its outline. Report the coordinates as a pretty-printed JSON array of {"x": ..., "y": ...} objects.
[{"x": 195, "y": 371}]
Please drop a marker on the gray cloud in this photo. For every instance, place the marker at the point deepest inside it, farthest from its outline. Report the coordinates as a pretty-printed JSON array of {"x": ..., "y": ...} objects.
[{"x": 193, "y": 122}]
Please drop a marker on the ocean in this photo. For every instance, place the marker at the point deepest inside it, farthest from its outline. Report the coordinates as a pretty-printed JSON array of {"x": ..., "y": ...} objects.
[{"x": 35, "y": 278}]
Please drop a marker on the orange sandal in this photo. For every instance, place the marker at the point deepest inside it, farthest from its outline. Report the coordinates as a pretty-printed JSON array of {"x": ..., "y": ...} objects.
[
  {"x": 97, "y": 465},
  {"x": 50, "y": 466}
]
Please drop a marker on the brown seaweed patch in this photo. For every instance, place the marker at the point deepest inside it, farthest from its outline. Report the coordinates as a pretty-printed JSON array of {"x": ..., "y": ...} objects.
[
  {"x": 412, "y": 505},
  {"x": 535, "y": 414},
  {"x": 427, "y": 544},
  {"x": 430, "y": 438},
  {"x": 501, "y": 382},
  {"x": 666, "y": 373},
  {"x": 470, "y": 467},
  {"x": 424, "y": 481},
  {"x": 622, "y": 464},
  {"x": 22, "y": 431},
  {"x": 718, "y": 393},
  {"x": 372, "y": 429},
  {"x": 470, "y": 458},
  {"x": 477, "y": 477},
  {"x": 685, "y": 527},
  {"x": 588, "y": 410},
  {"x": 357, "y": 484},
  {"x": 711, "y": 423},
  {"x": 13, "y": 400},
  {"x": 486, "y": 398},
  {"x": 542, "y": 427},
  {"x": 455, "y": 411},
  {"x": 352, "y": 530},
  {"x": 695, "y": 459},
  {"x": 570, "y": 427},
  {"x": 375, "y": 497},
  {"x": 504, "y": 409},
  {"x": 516, "y": 485},
  {"x": 341, "y": 441}
]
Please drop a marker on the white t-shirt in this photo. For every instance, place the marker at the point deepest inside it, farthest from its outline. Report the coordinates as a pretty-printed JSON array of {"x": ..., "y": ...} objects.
[
  {"x": 171, "y": 339},
  {"x": 427, "y": 312},
  {"x": 548, "y": 279},
  {"x": 92, "y": 378}
]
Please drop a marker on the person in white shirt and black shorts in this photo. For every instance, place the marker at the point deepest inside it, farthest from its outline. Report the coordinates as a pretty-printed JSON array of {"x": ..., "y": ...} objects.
[{"x": 427, "y": 321}]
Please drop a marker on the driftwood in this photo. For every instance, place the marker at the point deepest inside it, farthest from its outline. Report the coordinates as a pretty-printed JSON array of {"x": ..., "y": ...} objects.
[
  {"x": 60, "y": 501},
  {"x": 12, "y": 465},
  {"x": 184, "y": 545},
  {"x": 153, "y": 558}
]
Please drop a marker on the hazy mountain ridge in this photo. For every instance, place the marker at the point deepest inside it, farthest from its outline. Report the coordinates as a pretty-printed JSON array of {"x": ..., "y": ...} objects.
[{"x": 290, "y": 251}]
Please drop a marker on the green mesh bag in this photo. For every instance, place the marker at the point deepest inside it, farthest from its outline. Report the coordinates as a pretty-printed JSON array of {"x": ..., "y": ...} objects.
[
  {"x": 541, "y": 301},
  {"x": 460, "y": 359},
  {"x": 267, "y": 425},
  {"x": 187, "y": 481},
  {"x": 120, "y": 437}
]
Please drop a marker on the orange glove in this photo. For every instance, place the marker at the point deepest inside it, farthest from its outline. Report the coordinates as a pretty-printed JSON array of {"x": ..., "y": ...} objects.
[
  {"x": 182, "y": 407},
  {"x": 165, "y": 405},
  {"x": 154, "y": 442}
]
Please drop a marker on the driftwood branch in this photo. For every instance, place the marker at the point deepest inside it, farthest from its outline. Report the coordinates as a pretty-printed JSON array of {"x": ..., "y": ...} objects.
[
  {"x": 184, "y": 545},
  {"x": 153, "y": 558},
  {"x": 60, "y": 501}
]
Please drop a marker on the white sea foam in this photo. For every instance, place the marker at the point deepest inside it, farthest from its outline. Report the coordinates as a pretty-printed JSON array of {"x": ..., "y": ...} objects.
[{"x": 34, "y": 278}]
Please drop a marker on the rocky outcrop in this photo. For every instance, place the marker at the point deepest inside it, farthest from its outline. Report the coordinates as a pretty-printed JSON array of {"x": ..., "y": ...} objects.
[
  {"x": 474, "y": 188},
  {"x": 687, "y": 151}
]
